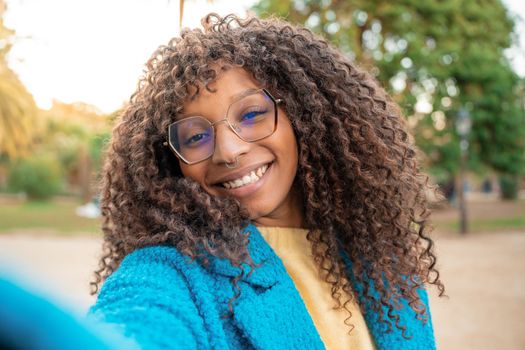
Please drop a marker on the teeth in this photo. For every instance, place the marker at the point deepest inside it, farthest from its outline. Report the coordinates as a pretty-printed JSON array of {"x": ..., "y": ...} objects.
[{"x": 253, "y": 176}]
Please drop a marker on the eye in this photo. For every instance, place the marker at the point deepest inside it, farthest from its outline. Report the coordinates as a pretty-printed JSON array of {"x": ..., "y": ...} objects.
[
  {"x": 196, "y": 138},
  {"x": 252, "y": 115}
]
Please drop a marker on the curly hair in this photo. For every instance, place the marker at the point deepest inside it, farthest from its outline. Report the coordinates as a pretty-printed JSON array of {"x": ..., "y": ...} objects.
[{"x": 363, "y": 189}]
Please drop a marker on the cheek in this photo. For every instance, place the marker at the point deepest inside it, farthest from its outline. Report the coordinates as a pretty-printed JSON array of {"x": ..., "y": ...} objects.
[
  {"x": 289, "y": 143},
  {"x": 294, "y": 160},
  {"x": 193, "y": 172},
  {"x": 196, "y": 172}
]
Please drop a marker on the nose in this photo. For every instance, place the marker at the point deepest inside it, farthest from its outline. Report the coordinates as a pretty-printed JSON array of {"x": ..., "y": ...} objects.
[{"x": 228, "y": 145}]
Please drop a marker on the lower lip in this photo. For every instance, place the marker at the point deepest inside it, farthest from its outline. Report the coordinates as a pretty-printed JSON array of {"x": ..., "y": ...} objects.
[{"x": 246, "y": 190}]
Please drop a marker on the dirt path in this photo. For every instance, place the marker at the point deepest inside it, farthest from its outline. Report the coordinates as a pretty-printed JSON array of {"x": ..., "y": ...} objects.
[
  {"x": 483, "y": 275},
  {"x": 60, "y": 266}
]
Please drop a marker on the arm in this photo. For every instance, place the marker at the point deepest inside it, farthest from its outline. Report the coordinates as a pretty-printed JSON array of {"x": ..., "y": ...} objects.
[{"x": 148, "y": 299}]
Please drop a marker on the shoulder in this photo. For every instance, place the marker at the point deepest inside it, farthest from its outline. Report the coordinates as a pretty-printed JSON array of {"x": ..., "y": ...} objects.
[
  {"x": 154, "y": 256},
  {"x": 147, "y": 267}
]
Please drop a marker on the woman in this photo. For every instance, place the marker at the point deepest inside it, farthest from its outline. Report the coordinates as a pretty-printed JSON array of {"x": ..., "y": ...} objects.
[{"x": 262, "y": 192}]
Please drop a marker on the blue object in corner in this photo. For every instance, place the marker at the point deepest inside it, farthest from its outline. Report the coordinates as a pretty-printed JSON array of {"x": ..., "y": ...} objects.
[{"x": 28, "y": 321}]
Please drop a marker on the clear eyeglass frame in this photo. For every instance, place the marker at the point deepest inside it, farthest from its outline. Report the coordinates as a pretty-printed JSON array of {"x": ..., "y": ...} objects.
[{"x": 274, "y": 100}]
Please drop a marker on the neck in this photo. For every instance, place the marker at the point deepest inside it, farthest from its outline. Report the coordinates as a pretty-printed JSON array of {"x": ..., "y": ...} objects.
[
  {"x": 269, "y": 222},
  {"x": 290, "y": 214}
]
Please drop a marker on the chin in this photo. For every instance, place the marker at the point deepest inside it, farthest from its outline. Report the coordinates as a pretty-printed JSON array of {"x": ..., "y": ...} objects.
[{"x": 257, "y": 212}]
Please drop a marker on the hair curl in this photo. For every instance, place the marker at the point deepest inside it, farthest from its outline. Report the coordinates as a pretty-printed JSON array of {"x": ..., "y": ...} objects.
[{"x": 362, "y": 186}]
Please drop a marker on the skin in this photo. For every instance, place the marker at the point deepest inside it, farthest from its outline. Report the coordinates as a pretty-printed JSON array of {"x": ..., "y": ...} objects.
[{"x": 276, "y": 203}]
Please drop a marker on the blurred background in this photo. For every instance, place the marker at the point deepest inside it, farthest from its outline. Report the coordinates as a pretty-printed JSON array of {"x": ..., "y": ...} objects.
[{"x": 456, "y": 68}]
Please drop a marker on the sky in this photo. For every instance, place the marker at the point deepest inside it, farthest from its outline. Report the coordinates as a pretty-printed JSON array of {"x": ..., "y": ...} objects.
[{"x": 94, "y": 51}]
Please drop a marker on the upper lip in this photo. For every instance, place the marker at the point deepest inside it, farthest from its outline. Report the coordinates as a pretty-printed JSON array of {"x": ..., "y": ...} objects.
[{"x": 238, "y": 173}]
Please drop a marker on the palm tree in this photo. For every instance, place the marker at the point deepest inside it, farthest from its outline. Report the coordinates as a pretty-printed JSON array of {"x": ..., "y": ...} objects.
[
  {"x": 17, "y": 107},
  {"x": 17, "y": 115}
]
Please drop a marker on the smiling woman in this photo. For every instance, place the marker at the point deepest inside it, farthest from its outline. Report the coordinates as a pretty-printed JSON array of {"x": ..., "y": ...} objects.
[
  {"x": 261, "y": 192},
  {"x": 256, "y": 145}
]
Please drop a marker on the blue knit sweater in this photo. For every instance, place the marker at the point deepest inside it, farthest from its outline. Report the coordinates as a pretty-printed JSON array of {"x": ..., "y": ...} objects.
[{"x": 163, "y": 301}]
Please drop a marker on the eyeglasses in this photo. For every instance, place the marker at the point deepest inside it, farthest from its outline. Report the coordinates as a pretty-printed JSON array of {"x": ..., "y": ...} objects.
[{"x": 252, "y": 117}]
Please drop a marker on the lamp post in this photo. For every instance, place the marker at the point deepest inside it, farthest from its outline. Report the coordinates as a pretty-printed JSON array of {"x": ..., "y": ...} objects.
[{"x": 463, "y": 125}]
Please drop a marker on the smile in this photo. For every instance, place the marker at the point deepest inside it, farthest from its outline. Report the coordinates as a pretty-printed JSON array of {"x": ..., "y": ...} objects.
[{"x": 251, "y": 177}]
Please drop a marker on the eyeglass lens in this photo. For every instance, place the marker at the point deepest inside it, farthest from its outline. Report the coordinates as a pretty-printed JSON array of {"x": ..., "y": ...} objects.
[{"x": 252, "y": 118}]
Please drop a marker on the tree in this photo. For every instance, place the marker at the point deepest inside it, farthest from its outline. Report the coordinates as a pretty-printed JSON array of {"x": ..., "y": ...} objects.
[
  {"x": 17, "y": 107},
  {"x": 434, "y": 57},
  {"x": 76, "y": 135}
]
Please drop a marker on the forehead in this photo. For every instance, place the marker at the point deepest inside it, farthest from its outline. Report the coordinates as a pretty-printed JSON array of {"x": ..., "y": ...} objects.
[{"x": 229, "y": 85}]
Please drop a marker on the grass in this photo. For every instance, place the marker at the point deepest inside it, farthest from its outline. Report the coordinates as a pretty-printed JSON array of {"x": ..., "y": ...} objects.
[
  {"x": 479, "y": 225},
  {"x": 484, "y": 216},
  {"x": 59, "y": 216},
  {"x": 56, "y": 216}
]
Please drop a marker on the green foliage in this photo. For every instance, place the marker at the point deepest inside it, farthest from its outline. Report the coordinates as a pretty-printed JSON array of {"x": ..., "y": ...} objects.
[
  {"x": 447, "y": 52},
  {"x": 76, "y": 134},
  {"x": 509, "y": 186},
  {"x": 96, "y": 147},
  {"x": 64, "y": 138},
  {"x": 39, "y": 177}
]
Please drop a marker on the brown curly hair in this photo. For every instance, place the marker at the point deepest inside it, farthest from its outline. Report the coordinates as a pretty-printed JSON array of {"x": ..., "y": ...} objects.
[{"x": 363, "y": 190}]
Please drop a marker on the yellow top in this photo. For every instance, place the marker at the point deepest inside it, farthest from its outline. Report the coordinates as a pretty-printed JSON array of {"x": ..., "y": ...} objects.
[{"x": 292, "y": 247}]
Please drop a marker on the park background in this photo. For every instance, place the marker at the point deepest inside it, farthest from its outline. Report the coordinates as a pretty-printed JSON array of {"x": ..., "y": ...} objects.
[{"x": 456, "y": 68}]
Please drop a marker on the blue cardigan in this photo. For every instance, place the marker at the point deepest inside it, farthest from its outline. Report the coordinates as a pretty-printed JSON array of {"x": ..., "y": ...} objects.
[{"x": 163, "y": 301}]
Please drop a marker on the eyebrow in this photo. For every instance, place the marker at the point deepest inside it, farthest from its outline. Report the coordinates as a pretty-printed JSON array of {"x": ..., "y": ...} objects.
[{"x": 232, "y": 98}]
